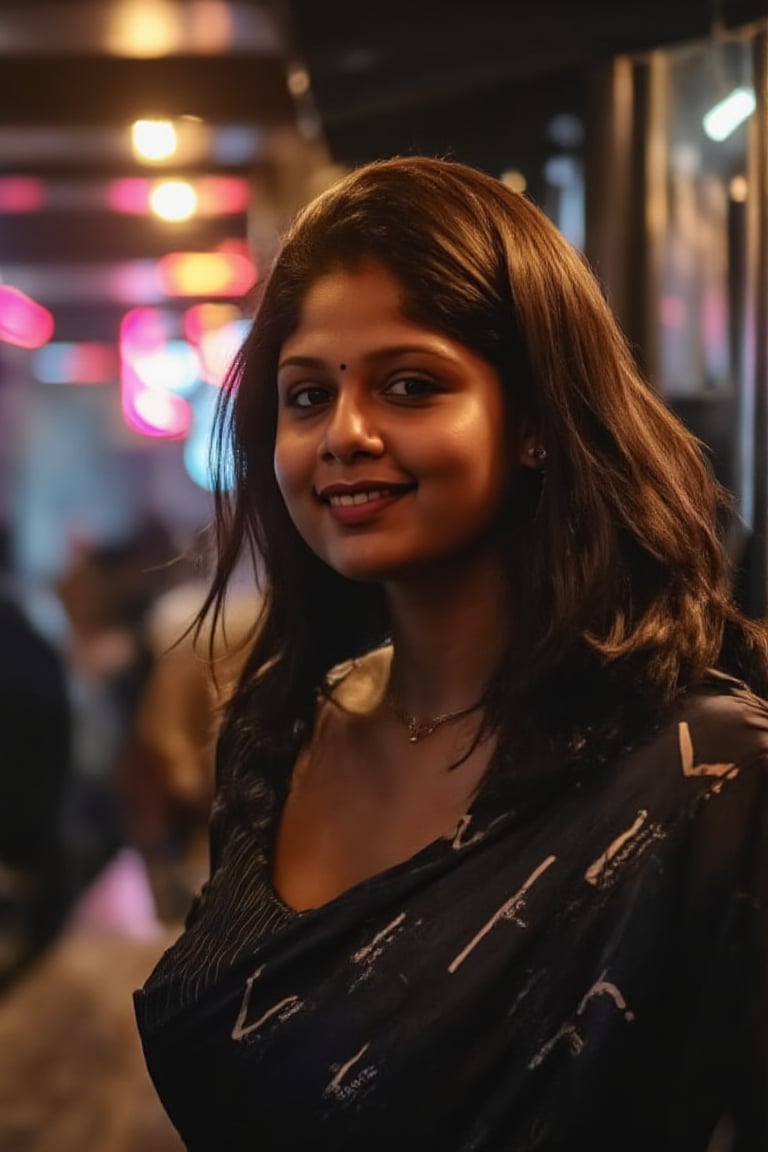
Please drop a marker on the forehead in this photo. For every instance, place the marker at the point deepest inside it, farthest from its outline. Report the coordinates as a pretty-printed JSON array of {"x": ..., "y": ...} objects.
[
  {"x": 349, "y": 312},
  {"x": 366, "y": 293}
]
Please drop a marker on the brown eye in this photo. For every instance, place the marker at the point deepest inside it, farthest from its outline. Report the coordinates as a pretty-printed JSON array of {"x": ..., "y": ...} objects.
[
  {"x": 411, "y": 388},
  {"x": 310, "y": 397}
]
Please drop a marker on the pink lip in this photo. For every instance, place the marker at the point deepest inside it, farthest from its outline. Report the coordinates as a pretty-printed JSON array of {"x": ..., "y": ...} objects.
[{"x": 349, "y": 489}]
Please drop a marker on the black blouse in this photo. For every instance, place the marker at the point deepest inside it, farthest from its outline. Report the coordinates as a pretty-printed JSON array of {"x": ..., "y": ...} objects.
[{"x": 585, "y": 968}]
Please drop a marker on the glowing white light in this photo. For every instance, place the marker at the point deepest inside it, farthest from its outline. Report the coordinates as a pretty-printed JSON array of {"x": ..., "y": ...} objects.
[
  {"x": 173, "y": 200},
  {"x": 174, "y": 367},
  {"x": 218, "y": 348},
  {"x": 728, "y": 114},
  {"x": 153, "y": 139},
  {"x": 160, "y": 413}
]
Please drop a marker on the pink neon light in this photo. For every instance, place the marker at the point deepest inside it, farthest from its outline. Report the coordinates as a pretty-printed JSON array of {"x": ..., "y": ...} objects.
[
  {"x": 150, "y": 411},
  {"x": 21, "y": 194},
  {"x": 163, "y": 412},
  {"x": 23, "y": 322},
  {"x": 142, "y": 330},
  {"x": 129, "y": 195}
]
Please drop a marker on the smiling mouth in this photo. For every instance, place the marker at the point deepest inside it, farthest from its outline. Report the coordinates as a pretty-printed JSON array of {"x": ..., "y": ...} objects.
[
  {"x": 350, "y": 499},
  {"x": 357, "y": 496}
]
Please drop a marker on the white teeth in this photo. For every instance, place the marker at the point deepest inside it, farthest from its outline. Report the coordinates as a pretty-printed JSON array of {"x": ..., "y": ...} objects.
[{"x": 348, "y": 500}]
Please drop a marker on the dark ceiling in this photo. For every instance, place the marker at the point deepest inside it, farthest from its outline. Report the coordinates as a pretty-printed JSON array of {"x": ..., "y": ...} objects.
[
  {"x": 477, "y": 80},
  {"x": 471, "y": 77}
]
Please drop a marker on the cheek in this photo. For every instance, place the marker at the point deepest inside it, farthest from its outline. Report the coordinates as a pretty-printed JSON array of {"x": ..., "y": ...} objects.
[
  {"x": 493, "y": 440},
  {"x": 483, "y": 467},
  {"x": 287, "y": 483},
  {"x": 288, "y": 462},
  {"x": 278, "y": 464},
  {"x": 291, "y": 490},
  {"x": 475, "y": 451}
]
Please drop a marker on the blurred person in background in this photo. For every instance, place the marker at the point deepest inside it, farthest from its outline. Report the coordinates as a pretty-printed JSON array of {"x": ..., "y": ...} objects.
[
  {"x": 489, "y": 844},
  {"x": 35, "y": 769},
  {"x": 74, "y": 940},
  {"x": 167, "y": 777},
  {"x": 108, "y": 592}
]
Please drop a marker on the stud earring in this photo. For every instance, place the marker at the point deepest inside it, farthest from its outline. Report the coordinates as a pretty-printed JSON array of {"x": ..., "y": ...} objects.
[{"x": 538, "y": 452}]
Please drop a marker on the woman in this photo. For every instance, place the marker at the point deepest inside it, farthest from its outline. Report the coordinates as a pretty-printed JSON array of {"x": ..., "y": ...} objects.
[{"x": 487, "y": 850}]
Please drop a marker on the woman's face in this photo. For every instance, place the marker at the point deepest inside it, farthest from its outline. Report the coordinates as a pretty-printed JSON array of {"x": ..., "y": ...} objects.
[{"x": 393, "y": 450}]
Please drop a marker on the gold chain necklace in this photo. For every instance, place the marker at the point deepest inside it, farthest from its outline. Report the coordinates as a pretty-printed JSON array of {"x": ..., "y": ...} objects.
[{"x": 418, "y": 731}]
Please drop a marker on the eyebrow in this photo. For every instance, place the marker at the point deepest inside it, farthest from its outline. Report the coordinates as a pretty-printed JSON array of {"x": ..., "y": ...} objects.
[{"x": 374, "y": 357}]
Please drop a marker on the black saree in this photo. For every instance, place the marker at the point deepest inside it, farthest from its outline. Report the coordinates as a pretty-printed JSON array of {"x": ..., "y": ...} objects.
[{"x": 578, "y": 968}]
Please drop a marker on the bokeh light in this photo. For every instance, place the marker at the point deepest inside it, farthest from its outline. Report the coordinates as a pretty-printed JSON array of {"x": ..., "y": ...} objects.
[
  {"x": 206, "y": 274},
  {"x": 23, "y": 321},
  {"x": 153, "y": 139},
  {"x": 173, "y": 200}
]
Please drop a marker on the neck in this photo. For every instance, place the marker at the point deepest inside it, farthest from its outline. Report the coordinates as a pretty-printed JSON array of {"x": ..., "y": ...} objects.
[{"x": 447, "y": 637}]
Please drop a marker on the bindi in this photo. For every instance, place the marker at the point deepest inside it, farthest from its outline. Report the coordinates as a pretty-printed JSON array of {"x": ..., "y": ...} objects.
[{"x": 342, "y": 367}]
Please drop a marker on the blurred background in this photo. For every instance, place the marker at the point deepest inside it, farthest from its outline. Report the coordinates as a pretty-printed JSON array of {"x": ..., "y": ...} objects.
[{"x": 151, "y": 153}]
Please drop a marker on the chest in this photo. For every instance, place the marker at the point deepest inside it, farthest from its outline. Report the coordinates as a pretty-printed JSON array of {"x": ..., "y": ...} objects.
[
  {"x": 351, "y": 815},
  {"x": 504, "y": 995}
]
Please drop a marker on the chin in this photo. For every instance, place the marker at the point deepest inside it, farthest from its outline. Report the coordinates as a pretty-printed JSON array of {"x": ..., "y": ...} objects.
[
  {"x": 367, "y": 573},
  {"x": 387, "y": 570},
  {"x": 368, "y": 568}
]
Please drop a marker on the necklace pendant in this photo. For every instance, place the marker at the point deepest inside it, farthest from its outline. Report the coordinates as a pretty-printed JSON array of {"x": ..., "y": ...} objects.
[{"x": 417, "y": 731}]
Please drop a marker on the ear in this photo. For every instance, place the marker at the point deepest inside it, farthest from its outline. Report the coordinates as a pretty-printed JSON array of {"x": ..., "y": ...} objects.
[{"x": 532, "y": 452}]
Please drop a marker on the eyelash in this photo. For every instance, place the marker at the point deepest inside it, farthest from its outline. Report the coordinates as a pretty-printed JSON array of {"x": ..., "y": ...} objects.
[
  {"x": 292, "y": 400},
  {"x": 427, "y": 388}
]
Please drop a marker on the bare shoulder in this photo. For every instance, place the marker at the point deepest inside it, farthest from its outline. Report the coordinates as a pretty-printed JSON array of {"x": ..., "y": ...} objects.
[
  {"x": 358, "y": 686},
  {"x": 346, "y": 713}
]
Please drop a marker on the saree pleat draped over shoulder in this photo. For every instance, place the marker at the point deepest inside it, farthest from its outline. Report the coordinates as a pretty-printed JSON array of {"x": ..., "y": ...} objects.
[{"x": 580, "y": 967}]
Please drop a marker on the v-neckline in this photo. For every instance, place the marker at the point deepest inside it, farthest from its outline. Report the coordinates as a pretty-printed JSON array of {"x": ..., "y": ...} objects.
[{"x": 281, "y": 791}]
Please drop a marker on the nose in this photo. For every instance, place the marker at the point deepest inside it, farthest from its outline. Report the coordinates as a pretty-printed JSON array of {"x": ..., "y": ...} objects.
[{"x": 351, "y": 430}]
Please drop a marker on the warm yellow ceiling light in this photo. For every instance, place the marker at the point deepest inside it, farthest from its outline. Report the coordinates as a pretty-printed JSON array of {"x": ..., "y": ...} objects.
[
  {"x": 144, "y": 28},
  {"x": 153, "y": 139},
  {"x": 173, "y": 200}
]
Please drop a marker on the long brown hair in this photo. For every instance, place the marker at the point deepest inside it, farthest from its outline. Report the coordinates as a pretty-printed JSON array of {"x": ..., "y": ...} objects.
[{"x": 613, "y": 553}]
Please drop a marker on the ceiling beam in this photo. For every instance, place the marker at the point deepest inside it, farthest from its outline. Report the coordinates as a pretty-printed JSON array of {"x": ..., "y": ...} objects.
[{"x": 100, "y": 91}]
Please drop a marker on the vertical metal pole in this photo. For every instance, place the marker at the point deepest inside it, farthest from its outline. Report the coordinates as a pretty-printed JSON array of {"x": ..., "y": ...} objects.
[
  {"x": 609, "y": 178},
  {"x": 615, "y": 242},
  {"x": 656, "y": 221},
  {"x": 759, "y": 191}
]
